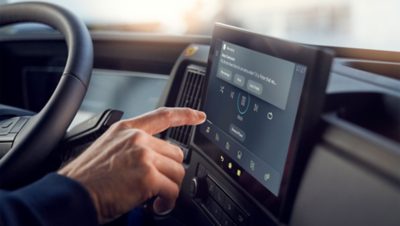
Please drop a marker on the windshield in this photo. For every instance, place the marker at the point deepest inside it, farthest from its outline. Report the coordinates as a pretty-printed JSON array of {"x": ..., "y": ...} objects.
[{"x": 368, "y": 24}]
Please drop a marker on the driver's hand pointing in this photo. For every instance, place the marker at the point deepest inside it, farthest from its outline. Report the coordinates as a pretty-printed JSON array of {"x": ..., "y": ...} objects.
[{"x": 127, "y": 165}]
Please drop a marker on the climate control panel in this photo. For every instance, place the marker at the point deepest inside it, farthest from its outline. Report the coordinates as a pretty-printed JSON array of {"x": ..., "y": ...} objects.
[{"x": 214, "y": 201}]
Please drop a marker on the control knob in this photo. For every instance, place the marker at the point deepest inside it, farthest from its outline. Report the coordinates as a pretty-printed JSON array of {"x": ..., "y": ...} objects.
[{"x": 198, "y": 188}]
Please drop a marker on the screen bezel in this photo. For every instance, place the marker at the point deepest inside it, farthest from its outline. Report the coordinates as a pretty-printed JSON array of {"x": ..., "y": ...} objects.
[{"x": 308, "y": 113}]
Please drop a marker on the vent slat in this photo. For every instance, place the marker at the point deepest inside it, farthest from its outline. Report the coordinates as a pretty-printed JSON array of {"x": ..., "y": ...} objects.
[
  {"x": 185, "y": 89},
  {"x": 190, "y": 96}
]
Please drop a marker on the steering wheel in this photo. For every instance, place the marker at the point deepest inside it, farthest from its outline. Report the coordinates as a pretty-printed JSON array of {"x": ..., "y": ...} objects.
[{"x": 32, "y": 143}]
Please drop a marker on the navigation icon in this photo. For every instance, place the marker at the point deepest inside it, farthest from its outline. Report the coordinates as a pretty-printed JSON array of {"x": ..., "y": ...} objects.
[
  {"x": 252, "y": 165},
  {"x": 270, "y": 115}
]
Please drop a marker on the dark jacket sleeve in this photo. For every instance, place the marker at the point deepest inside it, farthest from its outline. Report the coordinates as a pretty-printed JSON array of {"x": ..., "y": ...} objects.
[{"x": 53, "y": 200}]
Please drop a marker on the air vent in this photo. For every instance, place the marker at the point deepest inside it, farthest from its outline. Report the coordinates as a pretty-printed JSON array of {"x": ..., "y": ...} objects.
[{"x": 189, "y": 96}]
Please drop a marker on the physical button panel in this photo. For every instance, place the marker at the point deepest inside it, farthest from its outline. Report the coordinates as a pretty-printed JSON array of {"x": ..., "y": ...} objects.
[{"x": 218, "y": 204}]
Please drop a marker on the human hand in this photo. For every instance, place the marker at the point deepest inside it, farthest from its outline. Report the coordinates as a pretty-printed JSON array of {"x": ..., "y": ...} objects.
[{"x": 127, "y": 165}]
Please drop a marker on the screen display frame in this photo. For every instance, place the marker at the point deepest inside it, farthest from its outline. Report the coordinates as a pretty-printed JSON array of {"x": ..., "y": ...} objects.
[{"x": 318, "y": 62}]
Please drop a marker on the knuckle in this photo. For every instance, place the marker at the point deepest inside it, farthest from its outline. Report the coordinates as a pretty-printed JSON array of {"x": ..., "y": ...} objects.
[
  {"x": 166, "y": 113},
  {"x": 138, "y": 136},
  {"x": 145, "y": 157},
  {"x": 149, "y": 176},
  {"x": 179, "y": 153},
  {"x": 120, "y": 125}
]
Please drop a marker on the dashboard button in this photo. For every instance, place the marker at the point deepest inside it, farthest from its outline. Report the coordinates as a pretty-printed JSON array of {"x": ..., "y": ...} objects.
[
  {"x": 219, "y": 196},
  {"x": 237, "y": 132},
  {"x": 226, "y": 221},
  {"x": 239, "y": 80},
  {"x": 198, "y": 188},
  {"x": 225, "y": 74},
  {"x": 7, "y": 125},
  {"x": 201, "y": 171},
  {"x": 254, "y": 87},
  {"x": 214, "y": 209},
  {"x": 18, "y": 126},
  {"x": 211, "y": 186},
  {"x": 234, "y": 211}
]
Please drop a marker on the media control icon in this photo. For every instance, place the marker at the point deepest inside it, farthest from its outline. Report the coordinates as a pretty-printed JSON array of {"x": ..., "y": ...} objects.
[{"x": 243, "y": 103}]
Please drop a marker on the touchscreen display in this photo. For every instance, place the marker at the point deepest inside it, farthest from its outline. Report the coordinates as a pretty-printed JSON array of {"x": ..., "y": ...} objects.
[{"x": 251, "y": 106}]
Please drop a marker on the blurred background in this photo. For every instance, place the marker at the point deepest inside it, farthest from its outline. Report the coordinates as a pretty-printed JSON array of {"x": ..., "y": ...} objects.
[{"x": 367, "y": 24}]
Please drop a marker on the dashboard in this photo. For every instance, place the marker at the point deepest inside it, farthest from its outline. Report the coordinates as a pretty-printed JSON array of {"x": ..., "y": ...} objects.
[
  {"x": 304, "y": 138},
  {"x": 333, "y": 175}
]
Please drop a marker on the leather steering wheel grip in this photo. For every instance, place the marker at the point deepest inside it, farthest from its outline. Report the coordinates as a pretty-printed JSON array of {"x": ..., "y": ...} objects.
[{"x": 35, "y": 142}]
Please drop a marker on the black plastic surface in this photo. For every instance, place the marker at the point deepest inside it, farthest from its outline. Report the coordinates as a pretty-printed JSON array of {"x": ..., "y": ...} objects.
[{"x": 35, "y": 142}]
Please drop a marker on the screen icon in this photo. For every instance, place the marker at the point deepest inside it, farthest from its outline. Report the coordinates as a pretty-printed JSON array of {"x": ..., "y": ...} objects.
[
  {"x": 227, "y": 146},
  {"x": 230, "y": 165},
  {"x": 232, "y": 94},
  {"x": 243, "y": 100},
  {"x": 270, "y": 115},
  {"x": 239, "y": 155},
  {"x": 252, "y": 165},
  {"x": 267, "y": 176},
  {"x": 243, "y": 103},
  {"x": 216, "y": 137},
  {"x": 255, "y": 108},
  {"x": 222, "y": 89}
]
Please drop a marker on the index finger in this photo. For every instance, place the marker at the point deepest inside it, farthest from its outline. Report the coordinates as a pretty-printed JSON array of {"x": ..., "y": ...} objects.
[{"x": 163, "y": 118}]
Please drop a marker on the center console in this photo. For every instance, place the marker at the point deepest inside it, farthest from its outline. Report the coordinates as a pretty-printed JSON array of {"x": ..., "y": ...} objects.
[{"x": 262, "y": 97}]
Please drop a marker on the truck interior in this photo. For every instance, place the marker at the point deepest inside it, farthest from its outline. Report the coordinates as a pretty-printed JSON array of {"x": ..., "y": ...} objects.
[{"x": 302, "y": 101}]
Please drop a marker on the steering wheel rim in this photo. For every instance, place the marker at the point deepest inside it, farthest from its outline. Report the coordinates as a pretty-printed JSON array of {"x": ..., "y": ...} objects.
[{"x": 34, "y": 143}]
